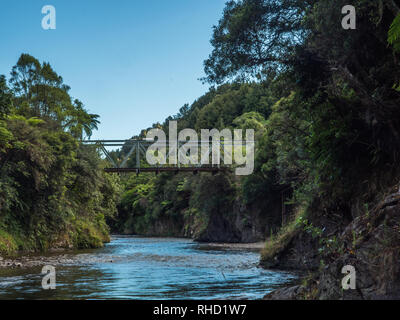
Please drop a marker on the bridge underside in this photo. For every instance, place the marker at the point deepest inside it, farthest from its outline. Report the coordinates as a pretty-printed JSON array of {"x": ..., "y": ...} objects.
[{"x": 195, "y": 170}]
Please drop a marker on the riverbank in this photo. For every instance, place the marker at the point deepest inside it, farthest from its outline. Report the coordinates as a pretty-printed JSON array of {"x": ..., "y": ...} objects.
[
  {"x": 54, "y": 257},
  {"x": 369, "y": 243},
  {"x": 257, "y": 246},
  {"x": 35, "y": 261}
]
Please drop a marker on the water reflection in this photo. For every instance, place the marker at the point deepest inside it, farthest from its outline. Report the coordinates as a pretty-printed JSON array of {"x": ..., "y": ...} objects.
[{"x": 149, "y": 268}]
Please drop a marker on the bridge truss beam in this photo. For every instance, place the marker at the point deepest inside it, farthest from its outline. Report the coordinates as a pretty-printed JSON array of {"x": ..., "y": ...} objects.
[{"x": 139, "y": 147}]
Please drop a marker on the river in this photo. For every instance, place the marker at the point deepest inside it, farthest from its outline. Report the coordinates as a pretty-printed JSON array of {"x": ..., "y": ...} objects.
[{"x": 148, "y": 268}]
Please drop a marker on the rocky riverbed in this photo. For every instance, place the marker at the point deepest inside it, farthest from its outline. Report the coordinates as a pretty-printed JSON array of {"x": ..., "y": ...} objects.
[{"x": 60, "y": 258}]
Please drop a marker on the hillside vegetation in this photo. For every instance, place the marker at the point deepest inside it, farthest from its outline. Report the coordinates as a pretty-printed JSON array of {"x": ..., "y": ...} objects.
[{"x": 53, "y": 192}]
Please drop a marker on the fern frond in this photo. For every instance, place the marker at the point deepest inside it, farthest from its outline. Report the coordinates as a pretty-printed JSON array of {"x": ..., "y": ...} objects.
[{"x": 394, "y": 33}]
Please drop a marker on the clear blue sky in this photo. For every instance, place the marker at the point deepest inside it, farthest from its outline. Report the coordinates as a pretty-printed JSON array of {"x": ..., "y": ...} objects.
[{"x": 132, "y": 62}]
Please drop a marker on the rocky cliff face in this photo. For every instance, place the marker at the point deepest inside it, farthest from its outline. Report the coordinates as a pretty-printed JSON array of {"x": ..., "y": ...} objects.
[
  {"x": 301, "y": 253},
  {"x": 371, "y": 244},
  {"x": 244, "y": 224},
  {"x": 237, "y": 224}
]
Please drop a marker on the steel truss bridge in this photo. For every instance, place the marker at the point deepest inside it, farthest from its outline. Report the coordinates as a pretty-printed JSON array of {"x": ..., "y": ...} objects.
[{"x": 139, "y": 148}]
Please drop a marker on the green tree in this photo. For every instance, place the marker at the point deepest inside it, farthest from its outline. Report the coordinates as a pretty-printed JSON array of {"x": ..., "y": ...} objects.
[
  {"x": 5, "y": 97},
  {"x": 253, "y": 36},
  {"x": 80, "y": 122}
]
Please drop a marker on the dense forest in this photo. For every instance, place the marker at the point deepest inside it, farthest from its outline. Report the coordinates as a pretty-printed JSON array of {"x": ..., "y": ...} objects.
[
  {"x": 324, "y": 102},
  {"x": 53, "y": 191}
]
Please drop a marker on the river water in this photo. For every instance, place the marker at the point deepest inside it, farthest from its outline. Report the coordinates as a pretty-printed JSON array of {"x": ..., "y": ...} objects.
[{"x": 148, "y": 268}]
